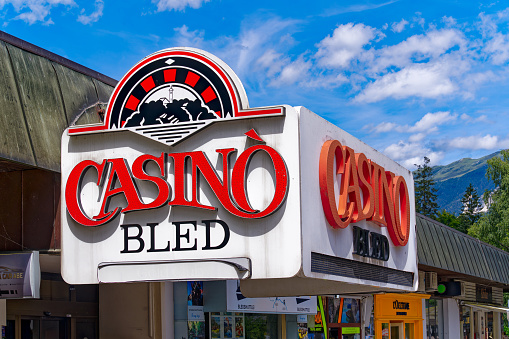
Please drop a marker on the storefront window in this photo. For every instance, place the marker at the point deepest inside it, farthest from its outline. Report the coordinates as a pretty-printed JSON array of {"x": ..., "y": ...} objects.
[
  {"x": 465, "y": 321},
  {"x": 260, "y": 326},
  {"x": 434, "y": 316},
  {"x": 343, "y": 318},
  {"x": 489, "y": 324},
  {"x": 409, "y": 331},
  {"x": 385, "y": 330}
]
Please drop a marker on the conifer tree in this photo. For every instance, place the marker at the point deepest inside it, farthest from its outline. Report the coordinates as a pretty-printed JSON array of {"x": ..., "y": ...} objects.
[
  {"x": 471, "y": 203},
  {"x": 425, "y": 191}
]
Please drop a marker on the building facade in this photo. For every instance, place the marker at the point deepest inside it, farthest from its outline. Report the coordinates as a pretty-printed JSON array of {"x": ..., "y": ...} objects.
[{"x": 366, "y": 277}]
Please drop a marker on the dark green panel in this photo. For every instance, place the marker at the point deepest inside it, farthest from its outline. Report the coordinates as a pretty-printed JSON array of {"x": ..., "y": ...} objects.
[
  {"x": 458, "y": 253},
  {"x": 504, "y": 258},
  {"x": 432, "y": 245},
  {"x": 14, "y": 139},
  {"x": 423, "y": 230},
  {"x": 89, "y": 116},
  {"x": 469, "y": 258},
  {"x": 478, "y": 260},
  {"x": 103, "y": 91},
  {"x": 42, "y": 104},
  {"x": 483, "y": 260},
  {"x": 422, "y": 245},
  {"x": 439, "y": 254},
  {"x": 493, "y": 264},
  {"x": 450, "y": 245},
  {"x": 78, "y": 92},
  {"x": 444, "y": 247},
  {"x": 504, "y": 264}
]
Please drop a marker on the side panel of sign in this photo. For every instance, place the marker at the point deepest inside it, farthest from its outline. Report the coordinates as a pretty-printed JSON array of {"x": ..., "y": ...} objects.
[{"x": 358, "y": 210}]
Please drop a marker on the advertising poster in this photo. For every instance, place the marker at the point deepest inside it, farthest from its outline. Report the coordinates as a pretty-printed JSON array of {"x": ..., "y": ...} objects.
[
  {"x": 239, "y": 327},
  {"x": 227, "y": 325},
  {"x": 351, "y": 311},
  {"x": 215, "y": 327},
  {"x": 195, "y": 314},
  {"x": 228, "y": 328}
]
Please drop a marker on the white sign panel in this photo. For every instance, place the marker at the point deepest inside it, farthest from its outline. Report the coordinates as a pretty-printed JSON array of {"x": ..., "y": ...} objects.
[
  {"x": 237, "y": 302},
  {"x": 20, "y": 275}
]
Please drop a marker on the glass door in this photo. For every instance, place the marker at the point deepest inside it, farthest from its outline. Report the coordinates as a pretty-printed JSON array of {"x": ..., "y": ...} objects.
[{"x": 396, "y": 331}]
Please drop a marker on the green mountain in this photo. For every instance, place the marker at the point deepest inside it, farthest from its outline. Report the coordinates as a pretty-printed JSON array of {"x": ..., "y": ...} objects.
[{"x": 452, "y": 180}]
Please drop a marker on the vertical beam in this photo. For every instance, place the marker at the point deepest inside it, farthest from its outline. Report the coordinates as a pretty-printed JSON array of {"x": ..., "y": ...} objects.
[
  {"x": 283, "y": 326},
  {"x": 497, "y": 326}
]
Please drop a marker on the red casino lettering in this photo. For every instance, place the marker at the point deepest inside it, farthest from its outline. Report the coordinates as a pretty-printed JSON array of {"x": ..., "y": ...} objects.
[
  {"x": 384, "y": 201},
  {"x": 121, "y": 180}
]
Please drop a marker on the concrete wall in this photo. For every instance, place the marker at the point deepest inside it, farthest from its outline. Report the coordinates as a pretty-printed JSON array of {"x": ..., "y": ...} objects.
[{"x": 130, "y": 311}]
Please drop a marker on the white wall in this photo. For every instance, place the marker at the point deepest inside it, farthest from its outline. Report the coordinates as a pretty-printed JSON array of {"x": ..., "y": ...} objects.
[{"x": 451, "y": 311}]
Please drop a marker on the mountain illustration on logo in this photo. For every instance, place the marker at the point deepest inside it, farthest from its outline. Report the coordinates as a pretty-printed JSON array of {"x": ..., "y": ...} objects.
[{"x": 159, "y": 108}]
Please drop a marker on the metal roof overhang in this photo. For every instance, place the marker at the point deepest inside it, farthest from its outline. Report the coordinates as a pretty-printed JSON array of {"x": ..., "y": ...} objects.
[
  {"x": 454, "y": 254},
  {"x": 486, "y": 307}
]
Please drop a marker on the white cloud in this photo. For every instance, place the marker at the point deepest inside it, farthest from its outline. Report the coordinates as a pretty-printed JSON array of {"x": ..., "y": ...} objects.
[
  {"x": 417, "y": 137},
  {"x": 427, "y": 124},
  {"x": 345, "y": 44},
  {"x": 410, "y": 153},
  {"x": 385, "y": 127},
  {"x": 184, "y": 37},
  {"x": 419, "y": 80},
  {"x": 467, "y": 118},
  {"x": 498, "y": 48},
  {"x": 177, "y": 5},
  {"x": 487, "y": 142},
  {"x": 431, "y": 121},
  {"x": 95, "y": 16},
  {"x": 417, "y": 48},
  {"x": 294, "y": 72},
  {"x": 398, "y": 27},
  {"x": 32, "y": 11}
]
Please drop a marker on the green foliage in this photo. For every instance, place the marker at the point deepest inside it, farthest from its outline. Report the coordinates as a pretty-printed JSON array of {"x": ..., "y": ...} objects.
[
  {"x": 459, "y": 223},
  {"x": 471, "y": 205},
  {"x": 493, "y": 226},
  {"x": 425, "y": 191}
]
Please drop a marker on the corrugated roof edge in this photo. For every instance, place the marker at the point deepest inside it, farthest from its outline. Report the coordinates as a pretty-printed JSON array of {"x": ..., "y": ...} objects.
[
  {"x": 56, "y": 58},
  {"x": 460, "y": 233}
]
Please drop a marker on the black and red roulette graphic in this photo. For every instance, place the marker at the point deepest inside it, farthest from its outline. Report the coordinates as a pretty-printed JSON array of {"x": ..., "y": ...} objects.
[{"x": 173, "y": 93}]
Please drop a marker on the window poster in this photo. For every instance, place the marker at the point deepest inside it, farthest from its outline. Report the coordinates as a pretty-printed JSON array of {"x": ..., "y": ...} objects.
[
  {"x": 239, "y": 327},
  {"x": 343, "y": 311},
  {"x": 228, "y": 330},
  {"x": 227, "y": 325},
  {"x": 195, "y": 314},
  {"x": 215, "y": 327},
  {"x": 351, "y": 311}
]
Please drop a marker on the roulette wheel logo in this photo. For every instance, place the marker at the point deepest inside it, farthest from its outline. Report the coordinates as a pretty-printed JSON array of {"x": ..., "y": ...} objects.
[{"x": 173, "y": 94}]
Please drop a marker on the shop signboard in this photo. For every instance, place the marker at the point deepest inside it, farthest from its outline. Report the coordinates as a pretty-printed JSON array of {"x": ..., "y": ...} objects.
[
  {"x": 237, "y": 302},
  {"x": 184, "y": 181},
  {"x": 20, "y": 275}
]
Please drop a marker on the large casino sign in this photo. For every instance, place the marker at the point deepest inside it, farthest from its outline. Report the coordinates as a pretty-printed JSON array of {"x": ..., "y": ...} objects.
[{"x": 184, "y": 180}]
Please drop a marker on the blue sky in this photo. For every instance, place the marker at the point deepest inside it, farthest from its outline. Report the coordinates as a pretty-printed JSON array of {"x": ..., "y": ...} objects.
[{"x": 410, "y": 78}]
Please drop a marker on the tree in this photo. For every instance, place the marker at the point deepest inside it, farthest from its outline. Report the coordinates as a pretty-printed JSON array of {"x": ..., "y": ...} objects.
[
  {"x": 471, "y": 205},
  {"x": 493, "y": 226},
  {"x": 450, "y": 220},
  {"x": 425, "y": 191}
]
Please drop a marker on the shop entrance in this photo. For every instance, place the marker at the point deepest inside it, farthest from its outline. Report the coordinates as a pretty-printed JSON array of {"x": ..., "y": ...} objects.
[
  {"x": 398, "y": 330},
  {"x": 398, "y": 316}
]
